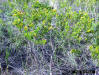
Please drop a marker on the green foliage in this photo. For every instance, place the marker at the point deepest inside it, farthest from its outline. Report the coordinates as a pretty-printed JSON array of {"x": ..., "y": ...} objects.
[
  {"x": 1, "y": 11},
  {"x": 35, "y": 22},
  {"x": 76, "y": 52},
  {"x": 74, "y": 25},
  {"x": 1, "y": 21},
  {"x": 86, "y": 5},
  {"x": 28, "y": 22},
  {"x": 94, "y": 51},
  {"x": 97, "y": 34}
]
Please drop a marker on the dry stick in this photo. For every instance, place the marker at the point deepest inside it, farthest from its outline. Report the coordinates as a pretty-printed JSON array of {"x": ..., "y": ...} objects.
[
  {"x": 51, "y": 58},
  {"x": 32, "y": 50},
  {"x": 33, "y": 53},
  {"x": 51, "y": 65},
  {"x": 51, "y": 55}
]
